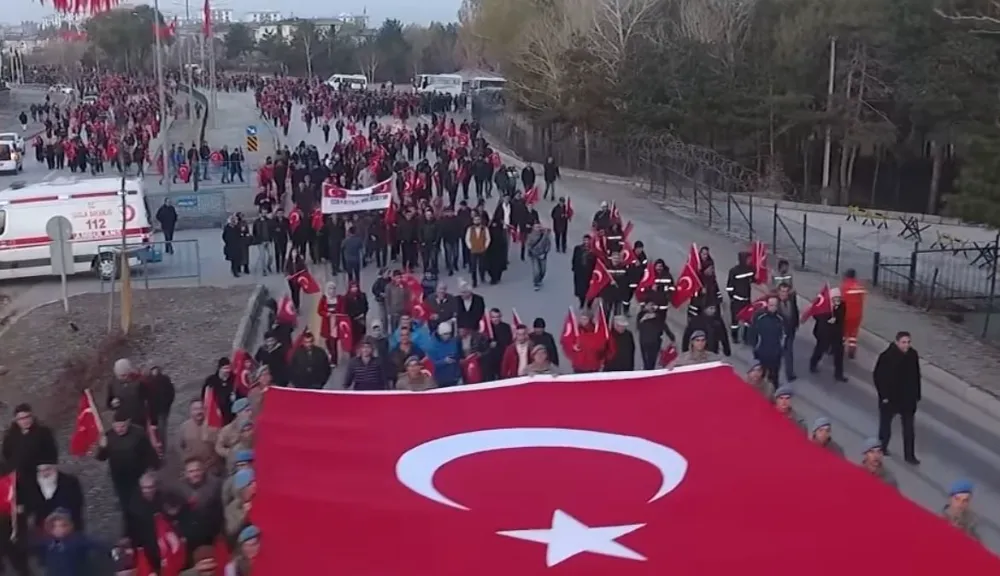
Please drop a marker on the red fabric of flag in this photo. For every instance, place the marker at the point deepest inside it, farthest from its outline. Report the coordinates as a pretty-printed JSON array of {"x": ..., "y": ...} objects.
[
  {"x": 88, "y": 428},
  {"x": 213, "y": 412},
  {"x": 621, "y": 474},
  {"x": 206, "y": 29},
  {"x": 689, "y": 281}
]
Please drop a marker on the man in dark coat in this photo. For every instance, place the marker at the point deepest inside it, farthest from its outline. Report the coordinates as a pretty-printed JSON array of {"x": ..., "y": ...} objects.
[
  {"x": 582, "y": 263},
  {"x": 897, "y": 381},
  {"x": 48, "y": 490},
  {"x": 129, "y": 453},
  {"x": 310, "y": 366},
  {"x": 27, "y": 443}
]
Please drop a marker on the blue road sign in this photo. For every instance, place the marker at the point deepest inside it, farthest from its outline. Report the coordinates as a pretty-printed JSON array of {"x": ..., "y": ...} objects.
[
  {"x": 186, "y": 201},
  {"x": 251, "y": 130}
]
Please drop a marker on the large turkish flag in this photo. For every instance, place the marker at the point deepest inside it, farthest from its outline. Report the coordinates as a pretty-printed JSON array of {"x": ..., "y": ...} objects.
[{"x": 689, "y": 472}]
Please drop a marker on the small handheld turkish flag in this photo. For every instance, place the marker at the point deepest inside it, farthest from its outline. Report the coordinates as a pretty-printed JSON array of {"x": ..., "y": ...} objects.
[
  {"x": 345, "y": 332},
  {"x": 531, "y": 196},
  {"x": 746, "y": 314},
  {"x": 305, "y": 281},
  {"x": 485, "y": 326},
  {"x": 648, "y": 279},
  {"x": 286, "y": 314},
  {"x": 184, "y": 173},
  {"x": 599, "y": 280},
  {"x": 822, "y": 304},
  {"x": 758, "y": 260},
  {"x": 668, "y": 355},
  {"x": 472, "y": 372},
  {"x": 428, "y": 365},
  {"x": 689, "y": 282},
  {"x": 570, "y": 333},
  {"x": 420, "y": 311},
  {"x": 213, "y": 412},
  {"x": 88, "y": 426}
]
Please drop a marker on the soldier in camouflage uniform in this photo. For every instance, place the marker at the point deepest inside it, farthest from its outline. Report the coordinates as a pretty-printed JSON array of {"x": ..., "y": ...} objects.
[
  {"x": 822, "y": 435},
  {"x": 755, "y": 378},
  {"x": 872, "y": 461},
  {"x": 957, "y": 511},
  {"x": 783, "y": 402}
]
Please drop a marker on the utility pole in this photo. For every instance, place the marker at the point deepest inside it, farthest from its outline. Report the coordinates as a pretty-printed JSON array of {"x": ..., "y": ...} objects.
[
  {"x": 163, "y": 100},
  {"x": 187, "y": 53},
  {"x": 827, "y": 143}
]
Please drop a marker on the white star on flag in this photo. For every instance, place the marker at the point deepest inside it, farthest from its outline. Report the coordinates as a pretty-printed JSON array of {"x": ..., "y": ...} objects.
[{"x": 569, "y": 537}]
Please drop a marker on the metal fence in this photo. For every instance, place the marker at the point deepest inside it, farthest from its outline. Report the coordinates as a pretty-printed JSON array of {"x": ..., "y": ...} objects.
[
  {"x": 206, "y": 208},
  {"x": 959, "y": 283},
  {"x": 153, "y": 263}
]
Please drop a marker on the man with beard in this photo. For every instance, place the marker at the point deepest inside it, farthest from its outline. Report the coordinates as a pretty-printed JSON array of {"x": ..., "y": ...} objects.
[{"x": 50, "y": 490}]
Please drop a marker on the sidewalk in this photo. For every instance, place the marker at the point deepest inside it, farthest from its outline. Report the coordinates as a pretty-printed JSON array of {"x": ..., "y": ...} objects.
[
  {"x": 228, "y": 128},
  {"x": 958, "y": 364}
]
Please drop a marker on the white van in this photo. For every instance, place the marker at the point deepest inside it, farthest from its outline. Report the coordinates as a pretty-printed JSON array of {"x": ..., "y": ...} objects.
[
  {"x": 94, "y": 210},
  {"x": 483, "y": 82},
  {"x": 11, "y": 161},
  {"x": 352, "y": 81},
  {"x": 439, "y": 83}
]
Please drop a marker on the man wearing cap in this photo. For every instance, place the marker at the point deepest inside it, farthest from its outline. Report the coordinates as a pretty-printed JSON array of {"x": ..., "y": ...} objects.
[
  {"x": 245, "y": 488},
  {"x": 540, "y": 336},
  {"x": 958, "y": 512},
  {"x": 712, "y": 329},
  {"x": 129, "y": 454},
  {"x": 27, "y": 443},
  {"x": 696, "y": 351},
  {"x": 446, "y": 354},
  {"x": 415, "y": 377},
  {"x": 229, "y": 435},
  {"x": 783, "y": 403},
  {"x": 540, "y": 363},
  {"x": 247, "y": 548},
  {"x": 242, "y": 459},
  {"x": 822, "y": 435},
  {"x": 872, "y": 460},
  {"x": 755, "y": 378}
]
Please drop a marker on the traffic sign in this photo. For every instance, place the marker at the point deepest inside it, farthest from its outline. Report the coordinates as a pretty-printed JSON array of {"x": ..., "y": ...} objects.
[
  {"x": 251, "y": 130},
  {"x": 60, "y": 231},
  {"x": 251, "y": 143}
]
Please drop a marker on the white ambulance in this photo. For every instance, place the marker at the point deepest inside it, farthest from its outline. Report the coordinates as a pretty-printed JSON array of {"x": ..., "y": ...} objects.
[{"x": 93, "y": 207}]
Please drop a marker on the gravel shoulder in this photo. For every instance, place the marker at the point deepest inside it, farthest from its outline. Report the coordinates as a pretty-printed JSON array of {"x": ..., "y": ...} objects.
[{"x": 50, "y": 357}]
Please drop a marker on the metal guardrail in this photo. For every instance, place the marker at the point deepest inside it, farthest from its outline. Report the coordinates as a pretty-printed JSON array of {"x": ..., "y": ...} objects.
[
  {"x": 206, "y": 208},
  {"x": 153, "y": 262}
]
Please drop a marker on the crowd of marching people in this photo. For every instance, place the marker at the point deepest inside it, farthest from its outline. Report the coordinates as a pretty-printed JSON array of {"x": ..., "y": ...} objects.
[
  {"x": 108, "y": 124},
  {"x": 457, "y": 217}
]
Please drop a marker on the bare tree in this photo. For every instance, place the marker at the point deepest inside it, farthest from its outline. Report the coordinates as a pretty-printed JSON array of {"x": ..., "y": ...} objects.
[
  {"x": 369, "y": 58},
  {"x": 980, "y": 17},
  {"x": 723, "y": 24},
  {"x": 615, "y": 27}
]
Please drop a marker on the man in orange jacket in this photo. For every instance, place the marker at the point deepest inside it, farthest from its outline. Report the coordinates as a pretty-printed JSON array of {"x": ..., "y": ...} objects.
[{"x": 853, "y": 294}]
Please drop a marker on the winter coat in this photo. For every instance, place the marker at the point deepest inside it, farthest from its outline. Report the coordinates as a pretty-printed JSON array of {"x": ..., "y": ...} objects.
[
  {"x": 770, "y": 332},
  {"x": 897, "y": 378},
  {"x": 445, "y": 354}
]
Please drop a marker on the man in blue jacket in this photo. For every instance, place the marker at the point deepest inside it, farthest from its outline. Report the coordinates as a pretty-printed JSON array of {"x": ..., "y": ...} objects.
[
  {"x": 769, "y": 343},
  {"x": 445, "y": 352}
]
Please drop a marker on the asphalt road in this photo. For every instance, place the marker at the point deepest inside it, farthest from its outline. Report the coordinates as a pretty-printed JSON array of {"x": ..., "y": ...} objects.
[{"x": 953, "y": 439}]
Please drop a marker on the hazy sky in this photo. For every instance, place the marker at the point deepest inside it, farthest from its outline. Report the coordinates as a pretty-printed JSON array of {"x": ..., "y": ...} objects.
[{"x": 424, "y": 11}]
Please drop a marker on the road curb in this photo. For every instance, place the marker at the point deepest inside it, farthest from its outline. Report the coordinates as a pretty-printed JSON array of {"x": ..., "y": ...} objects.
[
  {"x": 247, "y": 331},
  {"x": 932, "y": 375}
]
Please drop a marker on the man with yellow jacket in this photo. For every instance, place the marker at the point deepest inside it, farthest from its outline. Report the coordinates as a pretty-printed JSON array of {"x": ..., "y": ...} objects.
[{"x": 853, "y": 293}]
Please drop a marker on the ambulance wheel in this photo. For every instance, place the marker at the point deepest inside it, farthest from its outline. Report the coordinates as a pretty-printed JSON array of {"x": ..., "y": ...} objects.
[{"x": 106, "y": 266}]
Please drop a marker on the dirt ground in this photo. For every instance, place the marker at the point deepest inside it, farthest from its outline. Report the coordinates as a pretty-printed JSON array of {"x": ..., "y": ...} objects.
[{"x": 50, "y": 356}]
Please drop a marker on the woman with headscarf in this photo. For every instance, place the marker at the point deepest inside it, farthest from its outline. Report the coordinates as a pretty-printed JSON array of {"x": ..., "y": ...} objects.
[
  {"x": 330, "y": 305},
  {"x": 496, "y": 252}
]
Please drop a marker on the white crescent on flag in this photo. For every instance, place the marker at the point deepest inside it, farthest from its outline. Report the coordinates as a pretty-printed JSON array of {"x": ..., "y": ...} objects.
[
  {"x": 684, "y": 284},
  {"x": 416, "y": 468}
]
